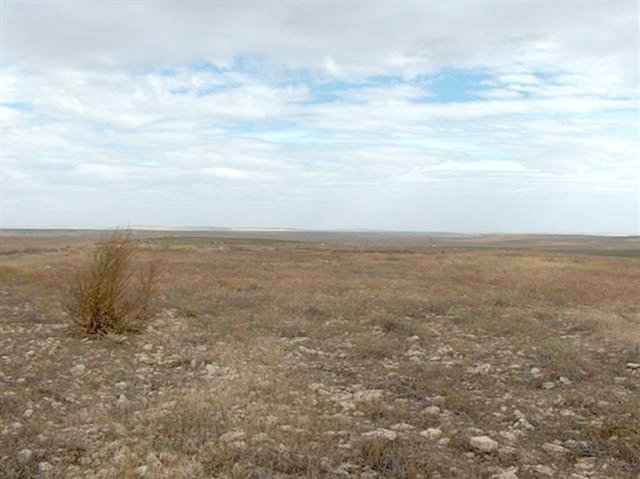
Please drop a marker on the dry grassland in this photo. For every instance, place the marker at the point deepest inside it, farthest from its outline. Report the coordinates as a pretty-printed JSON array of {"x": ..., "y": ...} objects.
[{"x": 299, "y": 359}]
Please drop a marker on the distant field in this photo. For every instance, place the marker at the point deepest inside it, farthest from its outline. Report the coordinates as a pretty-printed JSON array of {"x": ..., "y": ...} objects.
[
  {"x": 609, "y": 245},
  {"x": 334, "y": 355}
]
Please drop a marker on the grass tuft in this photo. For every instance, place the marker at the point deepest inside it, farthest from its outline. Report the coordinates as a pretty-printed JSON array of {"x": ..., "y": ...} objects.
[{"x": 113, "y": 293}]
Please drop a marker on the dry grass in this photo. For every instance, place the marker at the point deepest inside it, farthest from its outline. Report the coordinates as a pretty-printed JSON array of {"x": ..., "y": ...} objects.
[
  {"x": 113, "y": 293},
  {"x": 274, "y": 359}
]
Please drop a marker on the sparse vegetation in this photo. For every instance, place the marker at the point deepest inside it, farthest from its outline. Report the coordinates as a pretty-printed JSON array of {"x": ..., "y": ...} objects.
[
  {"x": 114, "y": 293},
  {"x": 342, "y": 361}
]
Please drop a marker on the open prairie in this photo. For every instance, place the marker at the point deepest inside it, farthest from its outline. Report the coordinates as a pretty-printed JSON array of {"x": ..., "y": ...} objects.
[{"x": 330, "y": 355}]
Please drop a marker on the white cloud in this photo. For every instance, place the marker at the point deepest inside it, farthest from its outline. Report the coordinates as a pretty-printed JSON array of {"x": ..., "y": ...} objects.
[
  {"x": 294, "y": 114},
  {"x": 341, "y": 39}
]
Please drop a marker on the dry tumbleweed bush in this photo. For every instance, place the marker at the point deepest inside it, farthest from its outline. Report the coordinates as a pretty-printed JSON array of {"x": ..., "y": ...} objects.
[{"x": 114, "y": 293}]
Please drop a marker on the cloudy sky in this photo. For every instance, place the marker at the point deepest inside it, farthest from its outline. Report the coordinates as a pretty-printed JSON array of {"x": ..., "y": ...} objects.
[{"x": 463, "y": 116}]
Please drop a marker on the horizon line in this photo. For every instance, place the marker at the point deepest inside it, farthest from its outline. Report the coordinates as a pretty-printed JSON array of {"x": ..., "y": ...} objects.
[{"x": 193, "y": 228}]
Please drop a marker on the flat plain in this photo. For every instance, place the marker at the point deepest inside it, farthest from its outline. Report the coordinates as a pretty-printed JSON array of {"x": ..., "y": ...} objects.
[{"x": 300, "y": 354}]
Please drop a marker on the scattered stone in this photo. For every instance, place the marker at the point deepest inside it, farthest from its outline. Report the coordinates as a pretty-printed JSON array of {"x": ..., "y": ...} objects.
[
  {"x": 28, "y": 413},
  {"x": 432, "y": 433},
  {"x": 381, "y": 434},
  {"x": 507, "y": 451},
  {"x": 548, "y": 385},
  {"x": 554, "y": 449},
  {"x": 309, "y": 351},
  {"x": 432, "y": 411},
  {"x": 444, "y": 442},
  {"x": 25, "y": 456},
  {"x": 142, "y": 471},
  {"x": 369, "y": 474},
  {"x": 369, "y": 396},
  {"x": 232, "y": 436},
  {"x": 633, "y": 365},
  {"x": 402, "y": 427},
  {"x": 44, "y": 467},
  {"x": 544, "y": 470},
  {"x": 153, "y": 461},
  {"x": 483, "y": 443},
  {"x": 78, "y": 369},
  {"x": 238, "y": 445},
  {"x": 509, "y": 436},
  {"x": 261, "y": 437},
  {"x": 586, "y": 463},
  {"x": 507, "y": 474},
  {"x": 480, "y": 369}
]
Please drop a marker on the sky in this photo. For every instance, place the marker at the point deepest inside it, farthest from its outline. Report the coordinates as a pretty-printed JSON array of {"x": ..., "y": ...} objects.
[{"x": 459, "y": 116}]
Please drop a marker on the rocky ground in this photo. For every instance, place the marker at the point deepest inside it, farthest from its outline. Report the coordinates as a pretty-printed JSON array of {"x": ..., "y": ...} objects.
[{"x": 302, "y": 360}]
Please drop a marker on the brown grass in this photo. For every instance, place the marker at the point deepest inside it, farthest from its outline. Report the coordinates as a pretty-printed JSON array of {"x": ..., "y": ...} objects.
[{"x": 255, "y": 362}]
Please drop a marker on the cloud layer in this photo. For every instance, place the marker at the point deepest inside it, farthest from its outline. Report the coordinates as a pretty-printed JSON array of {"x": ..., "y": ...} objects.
[{"x": 459, "y": 116}]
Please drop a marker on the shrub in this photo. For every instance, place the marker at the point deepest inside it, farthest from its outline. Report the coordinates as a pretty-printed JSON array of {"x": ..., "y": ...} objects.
[{"x": 114, "y": 292}]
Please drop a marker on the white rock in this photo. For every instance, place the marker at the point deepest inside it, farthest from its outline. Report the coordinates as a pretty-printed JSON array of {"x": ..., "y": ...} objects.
[
  {"x": 507, "y": 451},
  {"x": 25, "y": 456},
  {"x": 153, "y": 461},
  {"x": 508, "y": 474},
  {"x": 586, "y": 463},
  {"x": 545, "y": 470},
  {"x": 238, "y": 445},
  {"x": 432, "y": 411},
  {"x": 480, "y": 369},
  {"x": 402, "y": 427},
  {"x": 78, "y": 369},
  {"x": 548, "y": 385},
  {"x": 444, "y": 442},
  {"x": 142, "y": 471},
  {"x": 44, "y": 467},
  {"x": 28, "y": 413},
  {"x": 381, "y": 434},
  {"x": 369, "y": 396},
  {"x": 483, "y": 443},
  {"x": 261, "y": 437},
  {"x": 232, "y": 436},
  {"x": 509, "y": 436},
  {"x": 554, "y": 448},
  {"x": 432, "y": 433},
  {"x": 310, "y": 351},
  {"x": 633, "y": 365},
  {"x": 122, "y": 400}
]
